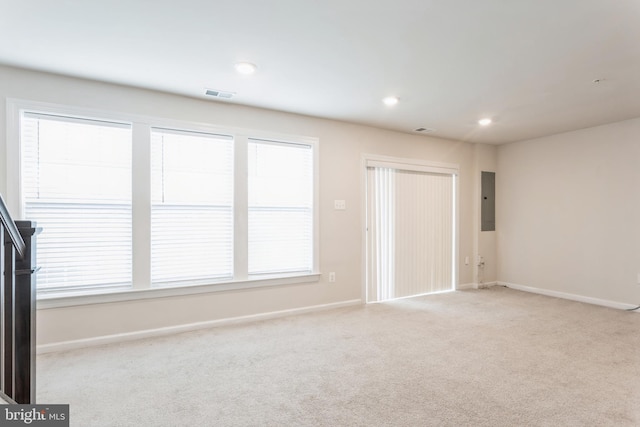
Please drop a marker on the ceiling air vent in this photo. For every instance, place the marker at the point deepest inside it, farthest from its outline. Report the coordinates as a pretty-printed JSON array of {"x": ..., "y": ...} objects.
[
  {"x": 220, "y": 94},
  {"x": 424, "y": 130}
]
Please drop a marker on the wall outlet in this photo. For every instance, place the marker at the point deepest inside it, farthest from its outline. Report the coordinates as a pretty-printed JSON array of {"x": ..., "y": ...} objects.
[
  {"x": 339, "y": 205},
  {"x": 332, "y": 277}
]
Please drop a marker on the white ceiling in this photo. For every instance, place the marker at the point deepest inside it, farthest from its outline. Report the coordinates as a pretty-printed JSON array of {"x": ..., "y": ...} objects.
[{"x": 528, "y": 64}]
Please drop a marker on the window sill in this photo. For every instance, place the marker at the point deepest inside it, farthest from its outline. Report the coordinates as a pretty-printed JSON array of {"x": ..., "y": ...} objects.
[{"x": 75, "y": 299}]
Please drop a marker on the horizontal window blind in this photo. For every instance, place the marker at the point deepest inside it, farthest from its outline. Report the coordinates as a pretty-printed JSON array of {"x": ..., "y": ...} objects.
[
  {"x": 210, "y": 206},
  {"x": 280, "y": 207},
  {"x": 191, "y": 207},
  {"x": 76, "y": 184}
]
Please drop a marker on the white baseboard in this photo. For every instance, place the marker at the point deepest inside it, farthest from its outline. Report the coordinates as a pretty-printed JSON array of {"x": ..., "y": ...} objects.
[
  {"x": 572, "y": 297},
  {"x": 169, "y": 330}
]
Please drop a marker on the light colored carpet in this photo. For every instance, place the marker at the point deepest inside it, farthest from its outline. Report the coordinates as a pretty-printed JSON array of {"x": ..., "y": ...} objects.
[{"x": 495, "y": 357}]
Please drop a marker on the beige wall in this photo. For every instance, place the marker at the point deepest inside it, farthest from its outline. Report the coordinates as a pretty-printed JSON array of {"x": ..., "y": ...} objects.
[
  {"x": 341, "y": 148},
  {"x": 569, "y": 212},
  {"x": 485, "y": 159}
]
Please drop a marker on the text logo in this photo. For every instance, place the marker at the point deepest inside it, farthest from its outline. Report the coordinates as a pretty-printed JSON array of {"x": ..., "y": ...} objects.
[{"x": 34, "y": 415}]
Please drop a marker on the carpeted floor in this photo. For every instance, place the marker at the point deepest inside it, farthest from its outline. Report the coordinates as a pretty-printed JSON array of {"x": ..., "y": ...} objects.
[{"x": 493, "y": 357}]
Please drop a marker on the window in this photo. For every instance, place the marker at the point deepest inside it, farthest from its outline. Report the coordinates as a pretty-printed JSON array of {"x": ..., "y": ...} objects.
[
  {"x": 191, "y": 206},
  {"x": 76, "y": 184},
  {"x": 136, "y": 203},
  {"x": 280, "y": 207}
]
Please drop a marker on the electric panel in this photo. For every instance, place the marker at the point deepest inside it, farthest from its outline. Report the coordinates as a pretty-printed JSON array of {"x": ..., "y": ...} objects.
[{"x": 488, "y": 202}]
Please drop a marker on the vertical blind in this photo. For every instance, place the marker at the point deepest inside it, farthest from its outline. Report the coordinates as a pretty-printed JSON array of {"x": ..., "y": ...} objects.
[
  {"x": 76, "y": 184},
  {"x": 280, "y": 207},
  {"x": 410, "y": 220},
  {"x": 191, "y": 206}
]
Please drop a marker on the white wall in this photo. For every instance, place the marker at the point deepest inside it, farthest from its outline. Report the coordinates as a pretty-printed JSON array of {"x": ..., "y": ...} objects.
[
  {"x": 569, "y": 212},
  {"x": 341, "y": 148}
]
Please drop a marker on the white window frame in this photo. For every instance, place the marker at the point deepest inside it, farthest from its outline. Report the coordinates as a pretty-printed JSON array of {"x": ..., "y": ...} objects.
[{"x": 141, "y": 182}]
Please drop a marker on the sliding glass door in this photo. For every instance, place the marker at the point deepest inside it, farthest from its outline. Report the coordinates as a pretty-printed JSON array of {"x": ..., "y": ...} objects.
[{"x": 410, "y": 230}]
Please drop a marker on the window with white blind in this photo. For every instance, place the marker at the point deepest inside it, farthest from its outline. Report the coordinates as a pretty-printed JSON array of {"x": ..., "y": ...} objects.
[
  {"x": 131, "y": 203},
  {"x": 191, "y": 207},
  {"x": 76, "y": 184},
  {"x": 280, "y": 207}
]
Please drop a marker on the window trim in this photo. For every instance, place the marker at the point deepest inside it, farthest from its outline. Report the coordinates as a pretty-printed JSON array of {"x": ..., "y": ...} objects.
[
  {"x": 119, "y": 295},
  {"x": 141, "y": 228}
]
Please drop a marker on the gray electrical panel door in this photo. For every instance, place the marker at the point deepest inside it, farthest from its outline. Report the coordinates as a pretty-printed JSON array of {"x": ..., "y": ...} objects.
[{"x": 488, "y": 202}]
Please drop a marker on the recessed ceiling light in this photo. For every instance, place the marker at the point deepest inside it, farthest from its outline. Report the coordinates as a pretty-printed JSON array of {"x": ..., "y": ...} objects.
[
  {"x": 390, "y": 100},
  {"x": 246, "y": 68},
  {"x": 484, "y": 122}
]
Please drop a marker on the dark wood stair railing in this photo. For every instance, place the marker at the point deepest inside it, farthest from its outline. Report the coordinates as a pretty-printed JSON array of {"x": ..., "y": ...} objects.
[{"x": 17, "y": 309}]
